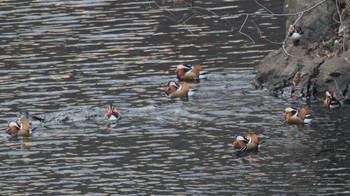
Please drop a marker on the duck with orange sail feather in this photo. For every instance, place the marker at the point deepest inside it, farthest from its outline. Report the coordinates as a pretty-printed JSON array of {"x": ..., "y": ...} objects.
[
  {"x": 330, "y": 101},
  {"x": 190, "y": 72},
  {"x": 175, "y": 89},
  {"x": 248, "y": 142},
  {"x": 19, "y": 128},
  {"x": 112, "y": 114},
  {"x": 294, "y": 116}
]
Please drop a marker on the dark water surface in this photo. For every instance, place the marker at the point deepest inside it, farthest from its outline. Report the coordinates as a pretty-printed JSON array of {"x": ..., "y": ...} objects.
[{"x": 65, "y": 60}]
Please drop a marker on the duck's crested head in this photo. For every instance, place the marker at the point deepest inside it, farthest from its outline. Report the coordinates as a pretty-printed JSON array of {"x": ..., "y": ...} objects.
[
  {"x": 290, "y": 109},
  {"x": 13, "y": 127},
  {"x": 182, "y": 69},
  {"x": 171, "y": 88},
  {"x": 174, "y": 84},
  {"x": 329, "y": 94},
  {"x": 289, "y": 112},
  {"x": 331, "y": 101},
  {"x": 14, "y": 124},
  {"x": 239, "y": 145},
  {"x": 241, "y": 138},
  {"x": 295, "y": 29},
  {"x": 182, "y": 66}
]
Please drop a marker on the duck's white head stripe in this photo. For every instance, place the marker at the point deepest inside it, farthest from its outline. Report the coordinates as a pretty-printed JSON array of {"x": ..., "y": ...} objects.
[
  {"x": 289, "y": 109},
  {"x": 14, "y": 124},
  {"x": 240, "y": 138},
  {"x": 173, "y": 84},
  {"x": 180, "y": 66}
]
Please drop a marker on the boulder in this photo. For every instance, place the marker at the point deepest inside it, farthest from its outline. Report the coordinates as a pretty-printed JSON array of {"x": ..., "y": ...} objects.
[{"x": 319, "y": 63}]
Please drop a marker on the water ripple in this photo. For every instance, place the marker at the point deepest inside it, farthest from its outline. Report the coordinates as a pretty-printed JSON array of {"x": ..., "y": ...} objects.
[{"x": 65, "y": 61}]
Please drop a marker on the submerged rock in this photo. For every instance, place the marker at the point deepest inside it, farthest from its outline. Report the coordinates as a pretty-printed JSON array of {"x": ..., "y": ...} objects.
[{"x": 319, "y": 63}]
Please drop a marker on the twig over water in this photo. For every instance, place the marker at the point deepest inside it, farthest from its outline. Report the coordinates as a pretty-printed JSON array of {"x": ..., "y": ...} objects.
[{"x": 246, "y": 15}]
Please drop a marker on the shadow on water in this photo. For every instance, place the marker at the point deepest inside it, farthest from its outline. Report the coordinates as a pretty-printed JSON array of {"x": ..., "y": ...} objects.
[{"x": 65, "y": 61}]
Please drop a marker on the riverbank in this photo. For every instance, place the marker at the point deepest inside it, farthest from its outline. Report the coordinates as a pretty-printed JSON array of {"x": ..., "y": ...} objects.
[{"x": 319, "y": 63}]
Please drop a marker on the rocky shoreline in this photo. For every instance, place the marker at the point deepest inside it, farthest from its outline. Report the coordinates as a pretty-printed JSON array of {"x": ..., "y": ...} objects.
[{"x": 320, "y": 62}]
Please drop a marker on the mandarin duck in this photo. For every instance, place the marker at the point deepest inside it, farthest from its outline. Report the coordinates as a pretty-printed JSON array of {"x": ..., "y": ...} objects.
[
  {"x": 330, "y": 101},
  {"x": 112, "y": 114},
  {"x": 190, "y": 72},
  {"x": 175, "y": 89},
  {"x": 248, "y": 142},
  {"x": 294, "y": 116},
  {"x": 19, "y": 128},
  {"x": 295, "y": 33}
]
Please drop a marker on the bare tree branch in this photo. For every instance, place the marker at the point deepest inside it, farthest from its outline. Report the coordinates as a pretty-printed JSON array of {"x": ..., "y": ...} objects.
[
  {"x": 264, "y": 7},
  {"x": 247, "y": 16},
  {"x": 240, "y": 29},
  {"x": 263, "y": 37},
  {"x": 341, "y": 25}
]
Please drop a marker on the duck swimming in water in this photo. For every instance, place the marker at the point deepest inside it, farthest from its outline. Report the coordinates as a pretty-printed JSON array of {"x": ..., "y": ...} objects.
[
  {"x": 245, "y": 143},
  {"x": 175, "y": 89},
  {"x": 112, "y": 114},
  {"x": 190, "y": 72},
  {"x": 294, "y": 116},
  {"x": 330, "y": 101},
  {"x": 19, "y": 128}
]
